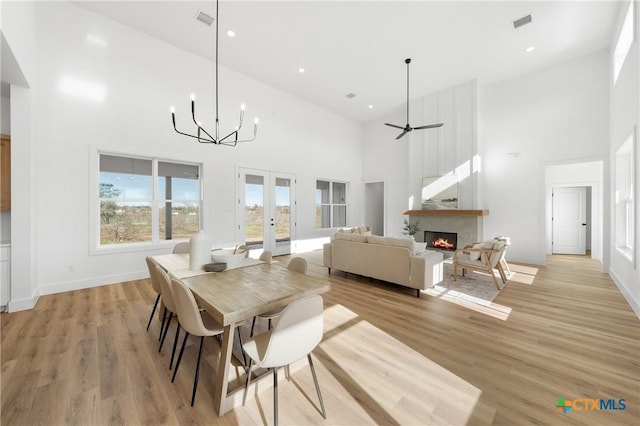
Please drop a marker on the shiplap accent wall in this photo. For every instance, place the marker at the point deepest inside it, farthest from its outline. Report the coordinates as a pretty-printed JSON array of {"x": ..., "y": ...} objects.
[{"x": 447, "y": 150}]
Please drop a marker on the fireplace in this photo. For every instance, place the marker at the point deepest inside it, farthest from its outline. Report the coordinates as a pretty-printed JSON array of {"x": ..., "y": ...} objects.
[{"x": 441, "y": 240}]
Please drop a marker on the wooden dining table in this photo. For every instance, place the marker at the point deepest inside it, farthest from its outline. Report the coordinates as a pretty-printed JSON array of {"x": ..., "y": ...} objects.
[{"x": 239, "y": 294}]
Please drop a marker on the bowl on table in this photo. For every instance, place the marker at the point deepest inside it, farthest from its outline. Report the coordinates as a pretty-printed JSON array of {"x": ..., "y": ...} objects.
[{"x": 227, "y": 256}]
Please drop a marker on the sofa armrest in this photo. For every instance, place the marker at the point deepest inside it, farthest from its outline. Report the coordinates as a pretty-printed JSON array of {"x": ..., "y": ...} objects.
[
  {"x": 426, "y": 269},
  {"x": 326, "y": 255}
]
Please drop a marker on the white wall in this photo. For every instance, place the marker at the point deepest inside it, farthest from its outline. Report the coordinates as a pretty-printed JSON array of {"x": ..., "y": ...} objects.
[
  {"x": 19, "y": 32},
  {"x": 142, "y": 77},
  {"x": 625, "y": 117},
  {"x": 422, "y": 153},
  {"x": 556, "y": 114}
]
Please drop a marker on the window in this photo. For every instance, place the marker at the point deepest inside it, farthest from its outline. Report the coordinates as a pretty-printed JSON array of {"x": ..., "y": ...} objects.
[
  {"x": 132, "y": 212},
  {"x": 624, "y": 197},
  {"x": 331, "y": 204},
  {"x": 625, "y": 39}
]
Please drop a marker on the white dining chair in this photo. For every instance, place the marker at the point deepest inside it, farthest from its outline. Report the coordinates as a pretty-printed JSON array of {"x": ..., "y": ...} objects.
[
  {"x": 182, "y": 248},
  {"x": 151, "y": 265},
  {"x": 190, "y": 318},
  {"x": 295, "y": 334},
  {"x": 169, "y": 307},
  {"x": 297, "y": 264},
  {"x": 265, "y": 256}
]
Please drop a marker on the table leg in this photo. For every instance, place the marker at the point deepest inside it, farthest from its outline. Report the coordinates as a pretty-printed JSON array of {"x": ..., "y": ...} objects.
[{"x": 221, "y": 385}]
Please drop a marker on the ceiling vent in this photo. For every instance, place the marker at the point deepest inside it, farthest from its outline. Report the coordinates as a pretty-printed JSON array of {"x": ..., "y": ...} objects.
[
  {"x": 350, "y": 95},
  {"x": 204, "y": 18},
  {"x": 522, "y": 21}
]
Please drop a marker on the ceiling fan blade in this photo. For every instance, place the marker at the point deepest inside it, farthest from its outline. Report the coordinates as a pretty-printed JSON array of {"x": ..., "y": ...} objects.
[
  {"x": 404, "y": 132},
  {"x": 430, "y": 126},
  {"x": 393, "y": 125}
]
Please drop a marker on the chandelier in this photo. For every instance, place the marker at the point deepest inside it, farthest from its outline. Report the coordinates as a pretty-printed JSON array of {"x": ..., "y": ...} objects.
[{"x": 204, "y": 136}]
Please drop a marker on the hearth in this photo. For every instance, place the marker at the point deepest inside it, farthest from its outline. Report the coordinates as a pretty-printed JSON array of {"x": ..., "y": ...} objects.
[{"x": 441, "y": 240}]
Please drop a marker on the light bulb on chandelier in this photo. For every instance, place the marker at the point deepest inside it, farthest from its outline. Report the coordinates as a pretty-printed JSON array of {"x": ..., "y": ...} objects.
[{"x": 202, "y": 135}]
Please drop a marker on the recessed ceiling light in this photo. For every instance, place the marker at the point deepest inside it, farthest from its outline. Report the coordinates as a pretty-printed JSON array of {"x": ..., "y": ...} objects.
[
  {"x": 301, "y": 70},
  {"x": 370, "y": 106},
  {"x": 530, "y": 49},
  {"x": 231, "y": 33}
]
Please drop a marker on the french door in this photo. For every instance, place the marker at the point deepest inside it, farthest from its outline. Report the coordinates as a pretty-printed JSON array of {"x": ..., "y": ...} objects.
[{"x": 266, "y": 210}]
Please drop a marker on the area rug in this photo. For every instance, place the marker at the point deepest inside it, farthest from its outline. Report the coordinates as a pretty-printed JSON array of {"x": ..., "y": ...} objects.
[{"x": 474, "y": 287}]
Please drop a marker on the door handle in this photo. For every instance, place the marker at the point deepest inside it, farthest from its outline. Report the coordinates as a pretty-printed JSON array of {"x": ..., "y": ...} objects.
[{"x": 584, "y": 224}]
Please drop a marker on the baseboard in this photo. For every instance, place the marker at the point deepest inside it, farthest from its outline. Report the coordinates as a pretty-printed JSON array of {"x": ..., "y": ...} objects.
[
  {"x": 634, "y": 303},
  {"x": 92, "y": 282},
  {"x": 27, "y": 303}
]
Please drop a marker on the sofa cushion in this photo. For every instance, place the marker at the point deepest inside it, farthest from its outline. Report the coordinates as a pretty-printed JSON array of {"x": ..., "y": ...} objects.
[
  {"x": 390, "y": 241},
  {"x": 358, "y": 238}
]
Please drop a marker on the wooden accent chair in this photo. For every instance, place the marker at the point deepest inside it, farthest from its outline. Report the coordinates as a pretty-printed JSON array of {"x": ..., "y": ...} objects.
[{"x": 484, "y": 257}]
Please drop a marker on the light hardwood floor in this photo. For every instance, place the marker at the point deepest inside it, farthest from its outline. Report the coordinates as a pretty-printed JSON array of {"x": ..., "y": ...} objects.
[{"x": 387, "y": 357}]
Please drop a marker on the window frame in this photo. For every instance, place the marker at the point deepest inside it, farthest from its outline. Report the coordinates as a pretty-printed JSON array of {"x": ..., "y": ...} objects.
[
  {"x": 332, "y": 204},
  {"x": 624, "y": 183},
  {"x": 95, "y": 245},
  {"x": 627, "y": 35}
]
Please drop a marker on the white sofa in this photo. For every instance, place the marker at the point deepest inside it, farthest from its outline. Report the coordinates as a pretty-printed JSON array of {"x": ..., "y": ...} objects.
[{"x": 389, "y": 259}]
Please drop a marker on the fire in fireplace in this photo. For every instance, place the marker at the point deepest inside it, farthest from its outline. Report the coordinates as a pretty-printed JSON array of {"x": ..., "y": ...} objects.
[{"x": 441, "y": 240}]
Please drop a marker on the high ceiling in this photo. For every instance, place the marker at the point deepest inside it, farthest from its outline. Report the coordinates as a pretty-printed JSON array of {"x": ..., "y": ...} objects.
[{"x": 359, "y": 47}]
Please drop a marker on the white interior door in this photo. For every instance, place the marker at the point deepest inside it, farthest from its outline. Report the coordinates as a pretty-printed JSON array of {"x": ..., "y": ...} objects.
[
  {"x": 266, "y": 213},
  {"x": 569, "y": 220}
]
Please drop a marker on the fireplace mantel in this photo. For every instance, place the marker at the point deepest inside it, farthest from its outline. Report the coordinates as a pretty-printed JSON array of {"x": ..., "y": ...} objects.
[{"x": 446, "y": 212}]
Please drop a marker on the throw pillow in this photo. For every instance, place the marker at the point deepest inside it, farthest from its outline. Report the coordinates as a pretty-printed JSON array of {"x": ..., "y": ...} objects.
[{"x": 475, "y": 255}]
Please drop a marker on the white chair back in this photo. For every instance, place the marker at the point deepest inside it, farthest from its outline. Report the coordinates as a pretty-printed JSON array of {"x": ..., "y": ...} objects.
[
  {"x": 166, "y": 291},
  {"x": 296, "y": 333},
  {"x": 155, "y": 282},
  {"x": 298, "y": 264},
  {"x": 182, "y": 248},
  {"x": 188, "y": 312},
  {"x": 265, "y": 256}
]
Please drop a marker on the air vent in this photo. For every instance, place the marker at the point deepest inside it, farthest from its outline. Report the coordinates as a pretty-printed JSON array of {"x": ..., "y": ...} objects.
[
  {"x": 522, "y": 21},
  {"x": 350, "y": 95},
  {"x": 204, "y": 18}
]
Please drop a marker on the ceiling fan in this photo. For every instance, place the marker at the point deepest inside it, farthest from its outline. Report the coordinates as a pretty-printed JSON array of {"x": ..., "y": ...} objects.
[{"x": 406, "y": 129}]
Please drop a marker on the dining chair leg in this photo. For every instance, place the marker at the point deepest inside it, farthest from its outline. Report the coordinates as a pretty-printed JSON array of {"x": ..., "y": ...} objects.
[
  {"x": 195, "y": 379},
  {"x": 153, "y": 311},
  {"x": 315, "y": 381},
  {"x": 164, "y": 335},
  {"x": 244, "y": 357},
  {"x": 164, "y": 316},
  {"x": 275, "y": 396},
  {"x": 269, "y": 323},
  {"x": 175, "y": 344},
  {"x": 253, "y": 324},
  {"x": 246, "y": 385},
  {"x": 180, "y": 356}
]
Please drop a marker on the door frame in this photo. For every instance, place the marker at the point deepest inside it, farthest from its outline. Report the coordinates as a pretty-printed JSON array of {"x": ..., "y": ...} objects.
[
  {"x": 270, "y": 176},
  {"x": 595, "y": 179}
]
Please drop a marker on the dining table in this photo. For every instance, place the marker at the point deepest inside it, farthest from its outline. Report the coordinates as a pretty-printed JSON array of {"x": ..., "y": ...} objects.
[{"x": 238, "y": 294}]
